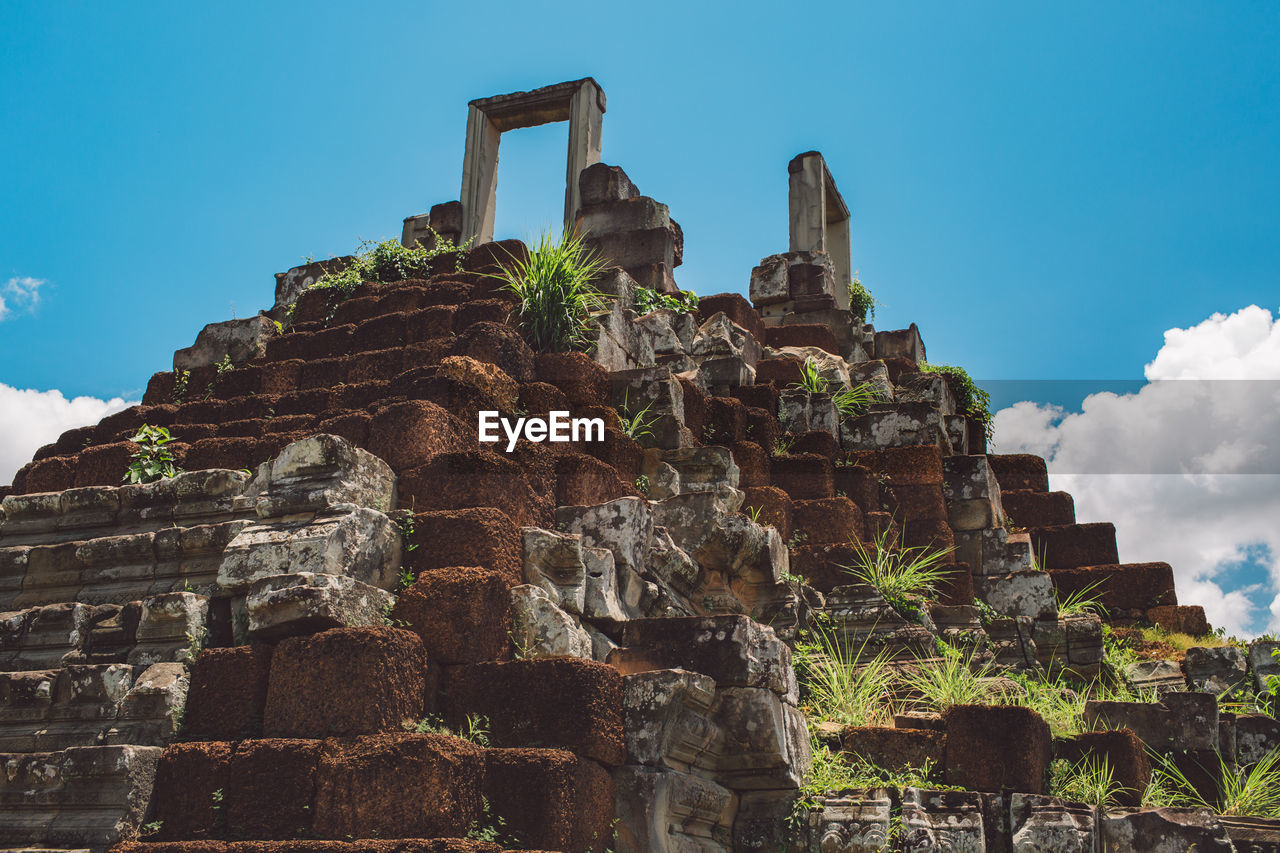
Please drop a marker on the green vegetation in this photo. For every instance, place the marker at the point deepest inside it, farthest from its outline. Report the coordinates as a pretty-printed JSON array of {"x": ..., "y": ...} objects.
[
  {"x": 970, "y": 399},
  {"x": 810, "y": 379},
  {"x": 1090, "y": 780},
  {"x": 556, "y": 298},
  {"x": 861, "y": 302},
  {"x": 180, "y": 380},
  {"x": 902, "y": 575},
  {"x": 851, "y": 401},
  {"x": 474, "y": 728},
  {"x": 955, "y": 680},
  {"x": 388, "y": 261},
  {"x": 153, "y": 460},
  {"x": 635, "y": 425},
  {"x": 1245, "y": 791},
  {"x": 840, "y": 683},
  {"x": 647, "y": 300},
  {"x": 1081, "y": 602}
]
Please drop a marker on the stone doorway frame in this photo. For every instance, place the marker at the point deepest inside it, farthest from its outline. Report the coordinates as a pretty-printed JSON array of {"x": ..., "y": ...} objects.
[
  {"x": 580, "y": 102},
  {"x": 819, "y": 218}
]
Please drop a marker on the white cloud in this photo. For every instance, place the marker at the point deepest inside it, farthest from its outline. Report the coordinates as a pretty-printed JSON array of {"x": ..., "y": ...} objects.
[
  {"x": 20, "y": 293},
  {"x": 30, "y": 419},
  {"x": 1188, "y": 467}
]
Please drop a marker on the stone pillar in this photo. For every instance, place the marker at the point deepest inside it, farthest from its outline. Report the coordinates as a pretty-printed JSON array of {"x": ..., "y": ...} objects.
[
  {"x": 479, "y": 176},
  {"x": 819, "y": 218}
]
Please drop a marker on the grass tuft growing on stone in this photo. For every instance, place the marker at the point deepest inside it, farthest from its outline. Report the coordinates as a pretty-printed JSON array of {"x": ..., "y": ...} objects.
[{"x": 556, "y": 297}]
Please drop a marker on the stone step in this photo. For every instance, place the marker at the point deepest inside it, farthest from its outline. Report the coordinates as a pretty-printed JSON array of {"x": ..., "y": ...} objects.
[
  {"x": 1029, "y": 508},
  {"x": 1127, "y": 590},
  {"x": 159, "y": 628},
  {"x": 84, "y": 796},
  {"x": 1020, "y": 471},
  {"x": 49, "y": 710},
  {"x": 1071, "y": 546}
]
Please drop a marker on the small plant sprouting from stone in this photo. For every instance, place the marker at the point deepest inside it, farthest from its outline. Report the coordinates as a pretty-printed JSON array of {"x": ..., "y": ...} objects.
[
  {"x": 153, "y": 460},
  {"x": 635, "y": 425},
  {"x": 798, "y": 538},
  {"x": 195, "y": 643},
  {"x": 861, "y": 302},
  {"x": 1082, "y": 602},
  {"x": 474, "y": 728},
  {"x": 851, "y": 401},
  {"x": 148, "y": 830},
  {"x": 901, "y": 574},
  {"x": 405, "y": 579},
  {"x": 782, "y": 444},
  {"x": 753, "y": 512},
  {"x": 489, "y": 827},
  {"x": 180, "y": 380},
  {"x": 404, "y": 523},
  {"x": 642, "y": 485},
  {"x": 651, "y": 300}
]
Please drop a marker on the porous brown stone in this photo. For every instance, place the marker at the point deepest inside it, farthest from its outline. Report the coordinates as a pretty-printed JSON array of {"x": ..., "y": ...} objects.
[
  {"x": 346, "y": 681},
  {"x": 228, "y": 693},
  {"x": 398, "y": 785},
  {"x": 462, "y": 614},
  {"x": 558, "y": 703}
]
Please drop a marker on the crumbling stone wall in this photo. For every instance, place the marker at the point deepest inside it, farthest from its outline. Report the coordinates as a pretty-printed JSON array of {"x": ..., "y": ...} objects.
[{"x": 364, "y": 576}]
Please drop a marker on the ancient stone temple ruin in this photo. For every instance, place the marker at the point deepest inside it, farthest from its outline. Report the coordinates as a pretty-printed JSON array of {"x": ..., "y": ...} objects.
[{"x": 346, "y": 624}]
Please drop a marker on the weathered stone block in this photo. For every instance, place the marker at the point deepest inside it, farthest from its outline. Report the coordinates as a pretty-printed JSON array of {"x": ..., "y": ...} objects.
[
  {"x": 305, "y": 602},
  {"x": 766, "y": 742},
  {"x": 540, "y": 629},
  {"x": 1018, "y": 594},
  {"x": 347, "y": 681},
  {"x": 551, "y": 799},
  {"x": 1163, "y": 830},
  {"x": 735, "y": 651},
  {"x": 398, "y": 785},
  {"x": 1217, "y": 670},
  {"x": 665, "y": 811},
  {"x": 363, "y": 544},
  {"x": 996, "y": 748},
  {"x": 564, "y": 703},
  {"x": 462, "y": 614},
  {"x": 228, "y": 693}
]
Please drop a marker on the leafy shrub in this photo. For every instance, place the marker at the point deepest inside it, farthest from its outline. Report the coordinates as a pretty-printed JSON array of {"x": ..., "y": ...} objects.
[
  {"x": 970, "y": 399},
  {"x": 153, "y": 460},
  {"x": 388, "y": 261},
  {"x": 648, "y": 300},
  {"x": 553, "y": 285},
  {"x": 861, "y": 302}
]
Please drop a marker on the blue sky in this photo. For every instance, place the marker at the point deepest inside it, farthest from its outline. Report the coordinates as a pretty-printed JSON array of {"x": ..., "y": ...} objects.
[{"x": 1044, "y": 189}]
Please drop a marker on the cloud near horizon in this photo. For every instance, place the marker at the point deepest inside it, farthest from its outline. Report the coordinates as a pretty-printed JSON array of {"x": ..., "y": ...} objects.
[
  {"x": 1188, "y": 467},
  {"x": 20, "y": 293},
  {"x": 30, "y": 419}
]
